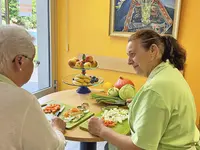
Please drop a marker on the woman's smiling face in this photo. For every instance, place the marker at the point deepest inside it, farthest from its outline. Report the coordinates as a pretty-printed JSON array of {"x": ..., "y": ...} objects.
[{"x": 138, "y": 57}]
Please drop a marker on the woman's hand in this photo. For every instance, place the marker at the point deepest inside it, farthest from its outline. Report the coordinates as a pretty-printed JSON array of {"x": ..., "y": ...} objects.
[
  {"x": 58, "y": 124},
  {"x": 95, "y": 126}
]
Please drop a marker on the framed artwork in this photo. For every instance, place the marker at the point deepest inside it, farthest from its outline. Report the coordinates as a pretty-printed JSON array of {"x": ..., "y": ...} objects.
[{"x": 128, "y": 16}]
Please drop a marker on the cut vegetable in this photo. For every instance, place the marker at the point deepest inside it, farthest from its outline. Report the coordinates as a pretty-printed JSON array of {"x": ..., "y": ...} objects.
[
  {"x": 52, "y": 108},
  {"x": 75, "y": 114},
  {"x": 113, "y": 116}
]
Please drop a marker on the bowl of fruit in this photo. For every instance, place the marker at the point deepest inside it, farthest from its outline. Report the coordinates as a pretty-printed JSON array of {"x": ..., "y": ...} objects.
[
  {"x": 83, "y": 81},
  {"x": 87, "y": 63}
]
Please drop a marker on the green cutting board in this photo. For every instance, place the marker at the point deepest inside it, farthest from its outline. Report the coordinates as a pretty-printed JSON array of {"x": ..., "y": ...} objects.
[
  {"x": 122, "y": 128},
  {"x": 69, "y": 125}
]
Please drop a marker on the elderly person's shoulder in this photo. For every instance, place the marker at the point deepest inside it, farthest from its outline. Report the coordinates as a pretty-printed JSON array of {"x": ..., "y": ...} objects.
[{"x": 15, "y": 95}]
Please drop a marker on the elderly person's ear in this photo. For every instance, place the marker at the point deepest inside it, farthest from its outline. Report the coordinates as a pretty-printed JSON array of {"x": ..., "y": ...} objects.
[
  {"x": 19, "y": 58},
  {"x": 19, "y": 61}
]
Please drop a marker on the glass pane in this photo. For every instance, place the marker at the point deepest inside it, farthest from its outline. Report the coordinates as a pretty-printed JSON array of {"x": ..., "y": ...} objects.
[
  {"x": 3, "y": 10},
  {"x": 35, "y": 18}
]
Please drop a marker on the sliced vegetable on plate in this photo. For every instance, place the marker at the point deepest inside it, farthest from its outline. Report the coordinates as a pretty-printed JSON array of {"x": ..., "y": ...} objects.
[
  {"x": 75, "y": 114},
  {"x": 52, "y": 108},
  {"x": 113, "y": 116}
]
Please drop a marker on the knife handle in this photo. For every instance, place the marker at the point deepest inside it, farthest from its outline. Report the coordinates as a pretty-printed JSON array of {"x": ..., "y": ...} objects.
[
  {"x": 42, "y": 105},
  {"x": 58, "y": 114}
]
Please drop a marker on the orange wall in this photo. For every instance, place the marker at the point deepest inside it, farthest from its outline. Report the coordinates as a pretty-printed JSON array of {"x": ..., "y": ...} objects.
[
  {"x": 189, "y": 37},
  {"x": 88, "y": 26}
]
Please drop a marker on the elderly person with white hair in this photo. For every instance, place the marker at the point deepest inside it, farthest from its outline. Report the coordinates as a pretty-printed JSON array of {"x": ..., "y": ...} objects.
[{"x": 23, "y": 123}]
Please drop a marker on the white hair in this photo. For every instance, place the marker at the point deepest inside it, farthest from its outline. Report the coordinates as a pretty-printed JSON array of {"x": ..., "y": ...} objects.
[{"x": 14, "y": 40}]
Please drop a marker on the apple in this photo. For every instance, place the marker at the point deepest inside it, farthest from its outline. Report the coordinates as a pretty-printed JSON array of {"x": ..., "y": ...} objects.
[
  {"x": 94, "y": 64},
  {"x": 76, "y": 59},
  {"x": 89, "y": 59},
  {"x": 72, "y": 62},
  {"x": 87, "y": 65},
  {"x": 78, "y": 64},
  {"x": 82, "y": 63}
]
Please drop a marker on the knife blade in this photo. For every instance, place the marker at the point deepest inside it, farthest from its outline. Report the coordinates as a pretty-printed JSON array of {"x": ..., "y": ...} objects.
[{"x": 60, "y": 111}]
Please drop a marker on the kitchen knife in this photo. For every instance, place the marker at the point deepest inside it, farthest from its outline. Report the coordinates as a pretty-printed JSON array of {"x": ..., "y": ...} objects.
[
  {"x": 60, "y": 111},
  {"x": 42, "y": 105}
]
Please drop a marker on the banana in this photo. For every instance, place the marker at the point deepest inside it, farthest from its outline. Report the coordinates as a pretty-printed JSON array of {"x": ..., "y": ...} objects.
[
  {"x": 85, "y": 83},
  {"x": 76, "y": 82},
  {"x": 79, "y": 80},
  {"x": 87, "y": 80},
  {"x": 87, "y": 77},
  {"x": 81, "y": 76}
]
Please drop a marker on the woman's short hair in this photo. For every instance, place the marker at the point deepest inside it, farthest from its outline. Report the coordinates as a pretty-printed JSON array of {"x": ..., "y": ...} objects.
[{"x": 14, "y": 40}]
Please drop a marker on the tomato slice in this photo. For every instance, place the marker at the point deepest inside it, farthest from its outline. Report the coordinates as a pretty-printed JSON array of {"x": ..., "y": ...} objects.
[{"x": 54, "y": 110}]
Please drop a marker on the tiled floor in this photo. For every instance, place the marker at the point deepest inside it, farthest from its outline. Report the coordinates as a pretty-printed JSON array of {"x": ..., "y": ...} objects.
[{"x": 76, "y": 145}]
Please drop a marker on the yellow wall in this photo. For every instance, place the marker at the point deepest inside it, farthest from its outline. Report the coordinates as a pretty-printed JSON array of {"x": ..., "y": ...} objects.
[{"x": 88, "y": 33}]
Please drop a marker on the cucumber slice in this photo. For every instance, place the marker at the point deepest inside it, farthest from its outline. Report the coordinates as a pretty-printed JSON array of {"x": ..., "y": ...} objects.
[
  {"x": 69, "y": 119},
  {"x": 86, "y": 111},
  {"x": 77, "y": 118}
]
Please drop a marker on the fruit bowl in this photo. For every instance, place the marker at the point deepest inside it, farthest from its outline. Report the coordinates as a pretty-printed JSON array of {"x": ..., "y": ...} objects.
[
  {"x": 82, "y": 81},
  {"x": 86, "y": 63},
  {"x": 92, "y": 68}
]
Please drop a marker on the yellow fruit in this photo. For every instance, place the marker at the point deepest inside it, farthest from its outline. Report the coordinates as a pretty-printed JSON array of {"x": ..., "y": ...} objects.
[
  {"x": 84, "y": 83},
  {"x": 87, "y": 80},
  {"x": 107, "y": 85},
  {"x": 79, "y": 80},
  {"x": 87, "y": 65},
  {"x": 81, "y": 76},
  {"x": 87, "y": 77},
  {"x": 76, "y": 82}
]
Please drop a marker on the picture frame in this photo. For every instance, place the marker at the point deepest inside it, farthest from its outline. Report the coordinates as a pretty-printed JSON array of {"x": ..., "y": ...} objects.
[{"x": 128, "y": 16}]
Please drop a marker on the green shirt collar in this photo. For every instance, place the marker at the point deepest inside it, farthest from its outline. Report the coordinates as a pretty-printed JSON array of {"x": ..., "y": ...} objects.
[
  {"x": 6, "y": 80},
  {"x": 159, "y": 68}
]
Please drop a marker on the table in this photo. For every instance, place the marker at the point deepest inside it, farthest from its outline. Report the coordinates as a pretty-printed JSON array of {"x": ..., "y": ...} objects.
[{"x": 70, "y": 97}]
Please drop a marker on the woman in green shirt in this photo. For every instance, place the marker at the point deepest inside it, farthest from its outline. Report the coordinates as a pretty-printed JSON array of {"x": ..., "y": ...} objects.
[{"x": 162, "y": 115}]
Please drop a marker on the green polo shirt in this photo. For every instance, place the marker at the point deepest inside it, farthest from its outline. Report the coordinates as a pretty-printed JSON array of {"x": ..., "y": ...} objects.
[{"x": 162, "y": 115}]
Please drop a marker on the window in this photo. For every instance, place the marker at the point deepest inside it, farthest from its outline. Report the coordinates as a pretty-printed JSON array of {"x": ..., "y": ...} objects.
[{"x": 35, "y": 16}]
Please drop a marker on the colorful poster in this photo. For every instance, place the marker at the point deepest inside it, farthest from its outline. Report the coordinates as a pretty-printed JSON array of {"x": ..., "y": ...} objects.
[
  {"x": 128, "y": 16},
  {"x": 25, "y": 7}
]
